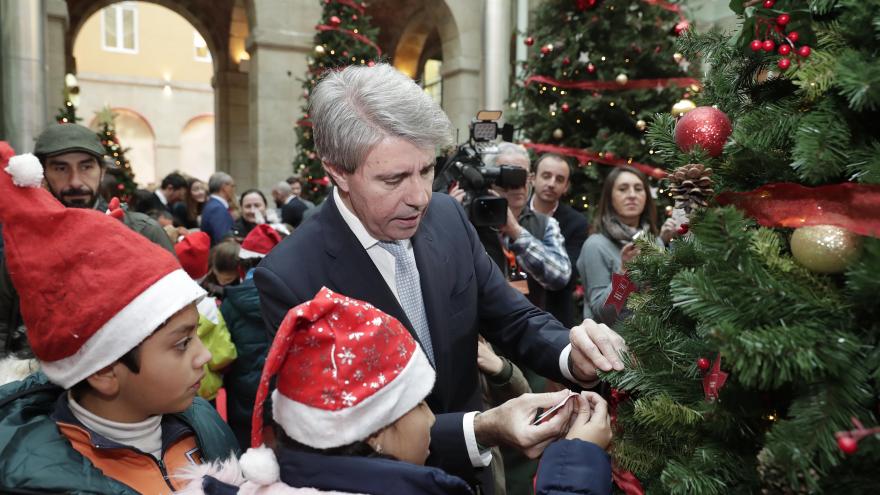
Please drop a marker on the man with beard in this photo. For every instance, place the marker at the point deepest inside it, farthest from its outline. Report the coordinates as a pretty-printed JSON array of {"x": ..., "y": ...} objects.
[{"x": 73, "y": 166}]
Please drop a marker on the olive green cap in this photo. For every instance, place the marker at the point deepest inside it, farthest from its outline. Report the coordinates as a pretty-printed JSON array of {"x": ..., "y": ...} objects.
[{"x": 67, "y": 138}]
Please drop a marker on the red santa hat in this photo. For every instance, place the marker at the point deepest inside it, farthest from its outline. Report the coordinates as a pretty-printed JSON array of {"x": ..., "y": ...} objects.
[
  {"x": 91, "y": 289},
  {"x": 259, "y": 242},
  {"x": 193, "y": 252},
  {"x": 345, "y": 371}
]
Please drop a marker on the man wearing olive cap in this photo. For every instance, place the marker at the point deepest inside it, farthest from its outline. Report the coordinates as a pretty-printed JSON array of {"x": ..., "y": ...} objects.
[{"x": 73, "y": 166}]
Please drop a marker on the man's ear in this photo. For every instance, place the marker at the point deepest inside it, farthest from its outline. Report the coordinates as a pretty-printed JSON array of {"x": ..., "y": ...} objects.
[
  {"x": 105, "y": 381},
  {"x": 339, "y": 177}
]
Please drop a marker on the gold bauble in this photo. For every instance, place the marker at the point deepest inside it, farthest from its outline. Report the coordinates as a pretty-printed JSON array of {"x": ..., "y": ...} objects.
[
  {"x": 621, "y": 79},
  {"x": 641, "y": 125},
  {"x": 682, "y": 107},
  {"x": 677, "y": 57},
  {"x": 825, "y": 248},
  {"x": 319, "y": 50},
  {"x": 558, "y": 134}
]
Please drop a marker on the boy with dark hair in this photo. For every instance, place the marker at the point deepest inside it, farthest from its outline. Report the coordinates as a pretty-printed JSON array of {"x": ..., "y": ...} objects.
[{"x": 112, "y": 321}]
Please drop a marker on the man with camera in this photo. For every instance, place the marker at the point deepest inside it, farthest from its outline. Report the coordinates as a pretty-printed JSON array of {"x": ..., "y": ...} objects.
[{"x": 383, "y": 238}]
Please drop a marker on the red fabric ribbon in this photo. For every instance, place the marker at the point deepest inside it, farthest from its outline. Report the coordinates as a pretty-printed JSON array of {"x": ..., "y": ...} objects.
[
  {"x": 360, "y": 8},
  {"x": 357, "y": 36},
  {"x": 852, "y": 206},
  {"x": 626, "y": 481},
  {"x": 583, "y": 156},
  {"x": 681, "y": 82}
]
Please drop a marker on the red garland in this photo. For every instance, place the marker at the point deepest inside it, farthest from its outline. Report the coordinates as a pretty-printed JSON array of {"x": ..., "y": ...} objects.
[
  {"x": 353, "y": 5},
  {"x": 681, "y": 82},
  {"x": 583, "y": 156},
  {"x": 855, "y": 207},
  {"x": 357, "y": 36}
]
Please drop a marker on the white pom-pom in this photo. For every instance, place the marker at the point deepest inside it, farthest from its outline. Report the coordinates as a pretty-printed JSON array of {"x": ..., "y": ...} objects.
[
  {"x": 25, "y": 170},
  {"x": 260, "y": 466}
]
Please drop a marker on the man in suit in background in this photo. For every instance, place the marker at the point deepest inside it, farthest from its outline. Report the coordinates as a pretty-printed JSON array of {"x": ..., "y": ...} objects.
[
  {"x": 216, "y": 219},
  {"x": 291, "y": 208},
  {"x": 172, "y": 190},
  {"x": 550, "y": 180},
  {"x": 383, "y": 238}
]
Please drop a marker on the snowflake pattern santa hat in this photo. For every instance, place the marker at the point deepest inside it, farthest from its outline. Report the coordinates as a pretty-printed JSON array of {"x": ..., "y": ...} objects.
[
  {"x": 91, "y": 289},
  {"x": 345, "y": 371}
]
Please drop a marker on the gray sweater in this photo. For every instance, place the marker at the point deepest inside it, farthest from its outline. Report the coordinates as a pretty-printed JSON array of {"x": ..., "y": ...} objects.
[{"x": 600, "y": 257}]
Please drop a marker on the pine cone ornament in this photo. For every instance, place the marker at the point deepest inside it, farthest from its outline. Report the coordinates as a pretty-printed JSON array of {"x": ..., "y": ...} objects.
[{"x": 691, "y": 186}]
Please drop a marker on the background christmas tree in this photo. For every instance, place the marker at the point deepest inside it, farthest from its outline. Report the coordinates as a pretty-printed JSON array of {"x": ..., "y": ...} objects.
[
  {"x": 120, "y": 166},
  {"x": 597, "y": 70},
  {"x": 67, "y": 113},
  {"x": 344, "y": 37},
  {"x": 754, "y": 347}
]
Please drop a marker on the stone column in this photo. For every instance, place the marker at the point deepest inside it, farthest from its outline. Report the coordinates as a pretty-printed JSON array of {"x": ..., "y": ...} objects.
[
  {"x": 56, "y": 32},
  {"x": 22, "y": 40},
  {"x": 496, "y": 53},
  {"x": 232, "y": 138}
]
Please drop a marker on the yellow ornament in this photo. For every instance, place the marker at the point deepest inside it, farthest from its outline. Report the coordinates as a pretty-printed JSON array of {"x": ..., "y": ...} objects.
[
  {"x": 677, "y": 57},
  {"x": 825, "y": 248},
  {"x": 558, "y": 134},
  {"x": 319, "y": 50},
  {"x": 641, "y": 125},
  {"x": 621, "y": 79},
  {"x": 682, "y": 107}
]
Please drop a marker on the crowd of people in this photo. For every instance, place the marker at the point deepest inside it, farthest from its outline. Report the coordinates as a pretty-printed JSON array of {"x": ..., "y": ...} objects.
[{"x": 402, "y": 349}]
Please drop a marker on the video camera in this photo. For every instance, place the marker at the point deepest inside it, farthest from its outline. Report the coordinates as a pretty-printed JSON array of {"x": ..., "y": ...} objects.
[{"x": 467, "y": 168}]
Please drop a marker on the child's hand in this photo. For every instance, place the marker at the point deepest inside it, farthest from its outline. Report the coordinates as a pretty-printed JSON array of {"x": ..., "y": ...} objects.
[
  {"x": 592, "y": 423},
  {"x": 487, "y": 360}
]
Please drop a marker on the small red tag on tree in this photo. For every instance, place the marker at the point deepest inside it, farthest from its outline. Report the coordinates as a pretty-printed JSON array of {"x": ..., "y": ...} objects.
[
  {"x": 714, "y": 380},
  {"x": 621, "y": 288}
]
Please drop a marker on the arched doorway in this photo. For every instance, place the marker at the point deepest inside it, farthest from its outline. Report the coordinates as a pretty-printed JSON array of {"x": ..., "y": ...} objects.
[
  {"x": 139, "y": 141},
  {"x": 197, "y": 147}
]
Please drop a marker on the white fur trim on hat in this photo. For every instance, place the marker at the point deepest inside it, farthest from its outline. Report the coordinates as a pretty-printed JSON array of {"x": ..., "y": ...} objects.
[
  {"x": 126, "y": 329},
  {"x": 245, "y": 254},
  {"x": 260, "y": 466},
  {"x": 25, "y": 170},
  {"x": 323, "y": 429}
]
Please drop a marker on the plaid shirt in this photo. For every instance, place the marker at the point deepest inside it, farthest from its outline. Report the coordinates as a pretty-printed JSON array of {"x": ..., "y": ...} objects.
[{"x": 545, "y": 260}]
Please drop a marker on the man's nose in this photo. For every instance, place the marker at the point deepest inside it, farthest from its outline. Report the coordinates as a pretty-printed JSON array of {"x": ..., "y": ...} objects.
[
  {"x": 417, "y": 193},
  {"x": 76, "y": 178}
]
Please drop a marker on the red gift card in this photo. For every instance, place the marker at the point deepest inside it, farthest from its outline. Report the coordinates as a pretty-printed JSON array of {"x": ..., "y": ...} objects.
[{"x": 621, "y": 288}]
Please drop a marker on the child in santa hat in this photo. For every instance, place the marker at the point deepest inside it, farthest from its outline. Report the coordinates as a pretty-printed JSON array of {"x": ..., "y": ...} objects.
[
  {"x": 112, "y": 321},
  {"x": 350, "y": 416}
]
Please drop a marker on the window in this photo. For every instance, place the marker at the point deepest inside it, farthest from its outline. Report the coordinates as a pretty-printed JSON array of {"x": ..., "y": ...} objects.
[
  {"x": 202, "y": 54},
  {"x": 119, "y": 23},
  {"x": 432, "y": 81}
]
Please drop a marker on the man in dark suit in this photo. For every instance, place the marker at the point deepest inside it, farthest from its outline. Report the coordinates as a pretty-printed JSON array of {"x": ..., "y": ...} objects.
[
  {"x": 216, "y": 219},
  {"x": 384, "y": 239},
  {"x": 171, "y": 191},
  {"x": 550, "y": 182},
  {"x": 290, "y": 206}
]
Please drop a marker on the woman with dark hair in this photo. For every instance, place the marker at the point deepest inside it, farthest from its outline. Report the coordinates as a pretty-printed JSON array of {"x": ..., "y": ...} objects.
[
  {"x": 187, "y": 213},
  {"x": 350, "y": 418},
  {"x": 253, "y": 212},
  {"x": 626, "y": 211}
]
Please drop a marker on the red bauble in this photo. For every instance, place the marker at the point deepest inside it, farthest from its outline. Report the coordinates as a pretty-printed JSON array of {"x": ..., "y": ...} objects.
[
  {"x": 565, "y": 107},
  {"x": 566, "y": 61},
  {"x": 782, "y": 19},
  {"x": 371, "y": 64},
  {"x": 756, "y": 45},
  {"x": 545, "y": 50},
  {"x": 768, "y": 45},
  {"x": 784, "y": 63},
  {"x": 768, "y": 4},
  {"x": 583, "y": 5},
  {"x": 681, "y": 27},
  {"x": 529, "y": 41},
  {"x": 804, "y": 51},
  {"x": 591, "y": 68},
  {"x": 784, "y": 49},
  {"x": 335, "y": 21},
  {"x": 706, "y": 127},
  {"x": 847, "y": 444},
  {"x": 354, "y": 17},
  {"x": 793, "y": 36},
  {"x": 703, "y": 364},
  {"x": 682, "y": 230}
]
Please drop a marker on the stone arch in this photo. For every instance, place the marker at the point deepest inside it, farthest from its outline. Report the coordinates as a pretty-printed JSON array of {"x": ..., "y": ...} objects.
[
  {"x": 197, "y": 147},
  {"x": 137, "y": 136}
]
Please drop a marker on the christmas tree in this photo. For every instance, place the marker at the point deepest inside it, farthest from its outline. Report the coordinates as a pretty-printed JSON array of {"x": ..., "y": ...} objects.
[
  {"x": 120, "y": 167},
  {"x": 344, "y": 37},
  {"x": 67, "y": 113},
  {"x": 754, "y": 364},
  {"x": 597, "y": 70}
]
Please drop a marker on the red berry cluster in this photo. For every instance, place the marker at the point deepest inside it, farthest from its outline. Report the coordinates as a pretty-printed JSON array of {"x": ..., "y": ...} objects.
[{"x": 786, "y": 40}]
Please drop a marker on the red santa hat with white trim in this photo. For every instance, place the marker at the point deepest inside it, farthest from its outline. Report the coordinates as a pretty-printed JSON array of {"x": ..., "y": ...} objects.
[
  {"x": 345, "y": 370},
  {"x": 91, "y": 289},
  {"x": 259, "y": 242}
]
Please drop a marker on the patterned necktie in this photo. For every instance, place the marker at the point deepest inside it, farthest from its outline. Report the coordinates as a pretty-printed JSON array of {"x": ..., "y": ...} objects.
[{"x": 406, "y": 276}]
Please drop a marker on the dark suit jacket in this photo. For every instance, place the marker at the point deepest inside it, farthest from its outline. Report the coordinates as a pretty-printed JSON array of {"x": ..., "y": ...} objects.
[
  {"x": 216, "y": 220},
  {"x": 152, "y": 202},
  {"x": 292, "y": 212},
  {"x": 575, "y": 229},
  {"x": 462, "y": 290}
]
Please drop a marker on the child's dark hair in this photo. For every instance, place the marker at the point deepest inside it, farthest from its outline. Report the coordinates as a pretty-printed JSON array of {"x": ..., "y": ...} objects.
[
  {"x": 131, "y": 360},
  {"x": 224, "y": 256},
  {"x": 357, "y": 449}
]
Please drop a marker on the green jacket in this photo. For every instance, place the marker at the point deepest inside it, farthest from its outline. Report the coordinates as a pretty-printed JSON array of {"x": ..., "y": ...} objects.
[
  {"x": 241, "y": 310},
  {"x": 36, "y": 458}
]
